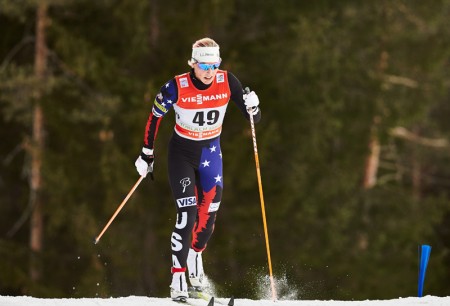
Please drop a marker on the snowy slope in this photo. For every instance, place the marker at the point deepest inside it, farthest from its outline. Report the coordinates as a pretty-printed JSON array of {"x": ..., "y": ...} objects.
[{"x": 147, "y": 301}]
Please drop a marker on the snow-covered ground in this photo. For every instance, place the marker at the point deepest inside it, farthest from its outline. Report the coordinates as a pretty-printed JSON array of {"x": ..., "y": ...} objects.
[{"x": 148, "y": 301}]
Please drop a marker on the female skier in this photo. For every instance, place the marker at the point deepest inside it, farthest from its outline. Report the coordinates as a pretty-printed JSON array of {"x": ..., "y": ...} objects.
[{"x": 199, "y": 99}]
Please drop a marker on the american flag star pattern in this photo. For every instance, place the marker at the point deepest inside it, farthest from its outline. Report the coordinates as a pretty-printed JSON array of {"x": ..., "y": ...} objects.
[{"x": 210, "y": 167}]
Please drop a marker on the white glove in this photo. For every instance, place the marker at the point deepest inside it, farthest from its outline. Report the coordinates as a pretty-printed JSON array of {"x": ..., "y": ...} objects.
[
  {"x": 251, "y": 102},
  {"x": 144, "y": 163}
]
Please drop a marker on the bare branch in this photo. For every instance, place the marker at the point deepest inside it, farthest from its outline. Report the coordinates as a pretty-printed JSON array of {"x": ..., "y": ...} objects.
[
  {"x": 399, "y": 80},
  {"x": 26, "y": 40},
  {"x": 403, "y": 133}
]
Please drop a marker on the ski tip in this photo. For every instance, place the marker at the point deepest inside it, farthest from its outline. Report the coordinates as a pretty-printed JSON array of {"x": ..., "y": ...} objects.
[
  {"x": 231, "y": 301},
  {"x": 181, "y": 300},
  {"x": 211, "y": 302}
]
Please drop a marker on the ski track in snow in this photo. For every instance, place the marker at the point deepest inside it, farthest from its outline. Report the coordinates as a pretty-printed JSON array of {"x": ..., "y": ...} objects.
[{"x": 149, "y": 301}]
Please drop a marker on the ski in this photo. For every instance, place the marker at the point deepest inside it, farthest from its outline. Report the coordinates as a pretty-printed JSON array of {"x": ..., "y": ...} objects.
[
  {"x": 195, "y": 294},
  {"x": 193, "y": 302}
]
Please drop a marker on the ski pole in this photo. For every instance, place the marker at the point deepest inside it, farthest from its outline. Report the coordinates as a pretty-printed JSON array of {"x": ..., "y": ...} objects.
[
  {"x": 263, "y": 210},
  {"x": 96, "y": 240}
]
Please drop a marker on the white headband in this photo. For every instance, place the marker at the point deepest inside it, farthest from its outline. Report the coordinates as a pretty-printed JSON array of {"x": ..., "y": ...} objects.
[{"x": 206, "y": 54}]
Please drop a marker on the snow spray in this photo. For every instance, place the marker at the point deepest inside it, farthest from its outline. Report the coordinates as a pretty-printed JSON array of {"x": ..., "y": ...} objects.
[{"x": 424, "y": 253}]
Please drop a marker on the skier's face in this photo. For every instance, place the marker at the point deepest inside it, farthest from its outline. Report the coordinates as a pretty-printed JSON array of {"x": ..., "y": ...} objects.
[{"x": 206, "y": 72}]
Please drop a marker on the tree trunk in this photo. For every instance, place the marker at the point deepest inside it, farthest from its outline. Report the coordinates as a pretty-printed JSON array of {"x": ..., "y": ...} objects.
[
  {"x": 370, "y": 176},
  {"x": 373, "y": 160},
  {"x": 416, "y": 177},
  {"x": 36, "y": 222},
  {"x": 416, "y": 173}
]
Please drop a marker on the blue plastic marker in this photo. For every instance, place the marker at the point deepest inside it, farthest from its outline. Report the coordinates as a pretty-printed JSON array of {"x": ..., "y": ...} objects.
[{"x": 425, "y": 251}]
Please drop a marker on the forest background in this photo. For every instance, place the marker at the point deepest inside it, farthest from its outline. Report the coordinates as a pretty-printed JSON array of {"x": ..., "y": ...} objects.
[{"x": 353, "y": 145}]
